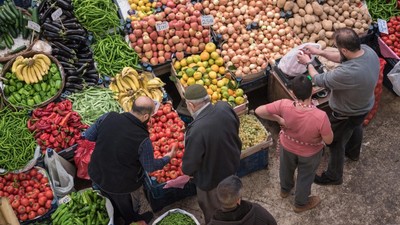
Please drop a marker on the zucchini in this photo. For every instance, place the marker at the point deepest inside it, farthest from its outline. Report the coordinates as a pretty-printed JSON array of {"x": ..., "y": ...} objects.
[
  {"x": 20, "y": 48},
  {"x": 35, "y": 15},
  {"x": 2, "y": 45}
]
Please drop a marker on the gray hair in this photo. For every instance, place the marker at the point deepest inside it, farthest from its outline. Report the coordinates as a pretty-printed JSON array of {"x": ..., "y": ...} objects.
[
  {"x": 229, "y": 191},
  {"x": 204, "y": 99}
]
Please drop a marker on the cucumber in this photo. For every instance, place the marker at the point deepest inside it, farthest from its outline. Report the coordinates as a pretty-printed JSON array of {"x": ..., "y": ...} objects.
[
  {"x": 4, "y": 16},
  {"x": 20, "y": 48},
  {"x": 9, "y": 41},
  {"x": 13, "y": 32},
  {"x": 13, "y": 8},
  {"x": 9, "y": 12},
  {"x": 2, "y": 46},
  {"x": 21, "y": 20},
  {"x": 35, "y": 15}
]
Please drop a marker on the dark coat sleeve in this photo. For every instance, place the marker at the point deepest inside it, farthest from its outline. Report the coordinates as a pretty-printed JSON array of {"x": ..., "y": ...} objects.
[{"x": 263, "y": 217}]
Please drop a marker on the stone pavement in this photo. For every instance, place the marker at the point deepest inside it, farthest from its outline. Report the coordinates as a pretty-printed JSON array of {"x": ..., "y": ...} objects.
[{"x": 370, "y": 193}]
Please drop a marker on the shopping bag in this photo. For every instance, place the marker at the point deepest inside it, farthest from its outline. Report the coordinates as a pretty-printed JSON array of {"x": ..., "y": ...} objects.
[
  {"x": 61, "y": 173},
  {"x": 394, "y": 77},
  {"x": 289, "y": 65},
  {"x": 82, "y": 158}
]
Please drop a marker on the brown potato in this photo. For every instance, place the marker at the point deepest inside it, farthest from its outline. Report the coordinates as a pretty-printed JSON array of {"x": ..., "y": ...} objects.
[
  {"x": 327, "y": 25},
  {"x": 301, "y": 3},
  {"x": 295, "y": 8},
  {"x": 309, "y": 9},
  {"x": 281, "y": 3},
  {"x": 310, "y": 28},
  {"x": 302, "y": 12},
  {"x": 288, "y": 6},
  {"x": 317, "y": 8},
  {"x": 332, "y": 18}
]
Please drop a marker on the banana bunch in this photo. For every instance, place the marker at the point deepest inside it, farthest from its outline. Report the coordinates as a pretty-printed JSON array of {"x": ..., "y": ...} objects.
[
  {"x": 31, "y": 70},
  {"x": 129, "y": 84}
]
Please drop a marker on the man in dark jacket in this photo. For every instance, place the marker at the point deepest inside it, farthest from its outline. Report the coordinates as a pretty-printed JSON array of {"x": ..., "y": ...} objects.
[
  {"x": 212, "y": 146},
  {"x": 122, "y": 154},
  {"x": 235, "y": 211}
]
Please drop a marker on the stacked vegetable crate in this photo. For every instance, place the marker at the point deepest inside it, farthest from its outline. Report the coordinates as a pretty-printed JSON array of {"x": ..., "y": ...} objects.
[{"x": 253, "y": 157}]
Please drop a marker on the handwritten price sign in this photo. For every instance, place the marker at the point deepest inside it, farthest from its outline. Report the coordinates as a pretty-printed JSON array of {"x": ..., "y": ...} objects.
[
  {"x": 207, "y": 20},
  {"x": 162, "y": 26}
]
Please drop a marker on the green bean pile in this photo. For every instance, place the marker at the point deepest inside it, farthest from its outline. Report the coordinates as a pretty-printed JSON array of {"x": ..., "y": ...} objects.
[
  {"x": 97, "y": 16},
  {"x": 381, "y": 9},
  {"x": 93, "y": 102},
  {"x": 17, "y": 145},
  {"x": 176, "y": 219},
  {"x": 112, "y": 54}
]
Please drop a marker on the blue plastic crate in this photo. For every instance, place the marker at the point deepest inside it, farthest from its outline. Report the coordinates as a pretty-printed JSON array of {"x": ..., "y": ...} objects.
[{"x": 254, "y": 162}]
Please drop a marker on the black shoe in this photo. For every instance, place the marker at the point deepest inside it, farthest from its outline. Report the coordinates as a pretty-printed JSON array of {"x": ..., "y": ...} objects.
[
  {"x": 147, "y": 216},
  {"x": 325, "y": 180},
  {"x": 355, "y": 159}
]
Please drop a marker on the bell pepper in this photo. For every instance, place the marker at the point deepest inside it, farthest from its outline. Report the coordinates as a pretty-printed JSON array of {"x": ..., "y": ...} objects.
[
  {"x": 31, "y": 102},
  {"x": 44, "y": 136},
  {"x": 43, "y": 86},
  {"x": 37, "y": 87},
  {"x": 52, "y": 139},
  {"x": 37, "y": 99}
]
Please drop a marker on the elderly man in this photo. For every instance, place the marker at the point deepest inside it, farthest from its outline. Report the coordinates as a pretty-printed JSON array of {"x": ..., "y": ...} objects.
[
  {"x": 234, "y": 210},
  {"x": 352, "y": 85},
  {"x": 212, "y": 146},
  {"x": 122, "y": 154}
]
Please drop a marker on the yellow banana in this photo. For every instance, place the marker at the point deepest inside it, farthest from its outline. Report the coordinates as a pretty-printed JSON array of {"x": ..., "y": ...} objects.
[
  {"x": 130, "y": 82},
  {"x": 147, "y": 93},
  {"x": 124, "y": 84},
  {"x": 25, "y": 73},
  {"x": 113, "y": 87},
  {"x": 18, "y": 61},
  {"x": 39, "y": 73},
  {"x": 18, "y": 72},
  {"x": 134, "y": 79},
  {"x": 32, "y": 73},
  {"x": 43, "y": 66},
  {"x": 43, "y": 57},
  {"x": 118, "y": 82}
]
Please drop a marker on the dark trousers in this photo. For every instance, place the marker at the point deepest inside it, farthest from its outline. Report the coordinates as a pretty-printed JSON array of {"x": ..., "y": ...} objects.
[
  {"x": 348, "y": 134},
  {"x": 208, "y": 202},
  {"x": 306, "y": 167}
]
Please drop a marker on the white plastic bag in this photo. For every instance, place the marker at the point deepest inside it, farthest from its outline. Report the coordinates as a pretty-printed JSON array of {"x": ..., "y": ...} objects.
[
  {"x": 394, "y": 77},
  {"x": 175, "y": 211},
  {"x": 289, "y": 65},
  {"x": 61, "y": 173}
]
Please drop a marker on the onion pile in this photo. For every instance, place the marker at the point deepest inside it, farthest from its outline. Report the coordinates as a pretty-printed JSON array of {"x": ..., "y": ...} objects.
[
  {"x": 250, "y": 51},
  {"x": 185, "y": 33}
]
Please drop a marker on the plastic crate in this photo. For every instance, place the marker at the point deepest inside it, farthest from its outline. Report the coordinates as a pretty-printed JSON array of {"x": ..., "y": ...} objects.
[
  {"x": 255, "y": 84},
  {"x": 158, "y": 197},
  {"x": 68, "y": 153},
  {"x": 254, "y": 162}
]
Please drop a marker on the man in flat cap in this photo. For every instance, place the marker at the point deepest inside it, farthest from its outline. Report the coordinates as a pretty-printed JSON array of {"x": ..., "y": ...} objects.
[{"x": 212, "y": 146}]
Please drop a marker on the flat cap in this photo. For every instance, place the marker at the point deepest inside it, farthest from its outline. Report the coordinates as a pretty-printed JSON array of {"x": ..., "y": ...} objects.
[{"x": 195, "y": 91}]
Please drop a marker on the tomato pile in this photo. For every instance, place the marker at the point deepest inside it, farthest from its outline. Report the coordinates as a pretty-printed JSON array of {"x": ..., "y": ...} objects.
[
  {"x": 393, "y": 38},
  {"x": 29, "y": 193},
  {"x": 166, "y": 130},
  {"x": 56, "y": 126}
]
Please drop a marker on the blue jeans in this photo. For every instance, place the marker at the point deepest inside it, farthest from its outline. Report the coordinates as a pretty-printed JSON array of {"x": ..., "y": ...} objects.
[
  {"x": 306, "y": 167},
  {"x": 348, "y": 134}
]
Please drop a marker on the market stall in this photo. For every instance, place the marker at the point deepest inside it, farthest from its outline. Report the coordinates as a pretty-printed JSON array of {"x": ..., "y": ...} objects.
[{"x": 64, "y": 63}]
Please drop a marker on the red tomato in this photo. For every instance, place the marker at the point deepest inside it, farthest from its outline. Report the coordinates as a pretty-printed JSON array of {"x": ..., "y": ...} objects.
[
  {"x": 44, "y": 180},
  {"x": 42, "y": 201},
  {"x": 163, "y": 118},
  {"x": 22, "y": 176},
  {"x": 173, "y": 174},
  {"x": 28, "y": 209},
  {"x": 1, "y": 193},
  {"x": 24, "y": 201},
  {"x": 8, "y": 176},
  {"x": 181, "y": 137},
  {"x": 15, "y": 204},
  {"x": 35, "y": 206},
  {"x": 23, "y": 216},
  {"x": 33, "y": 172},
  {"x": 31, "y": 215},
  {"x": 39, "y": 176},
  {"x": 159, "y": 112},
  {"x": 1, "y": 186},
  {"x": 167, "y": 109},
  {"x": 179, "y": 154},
  {"x": 48, "y": 204},
  {"x": 41, "y": 211},
  {"x": 153, "y": 137},
  {"x": 21, "y": 209},
  {"x": 174, "y": 162},
  {"x": 49, "y": 194},
  {"x": 28, "y": 189}
]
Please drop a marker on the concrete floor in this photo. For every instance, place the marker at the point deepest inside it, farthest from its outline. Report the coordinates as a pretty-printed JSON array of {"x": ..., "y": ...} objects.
[{"x": 370, "y": 193}]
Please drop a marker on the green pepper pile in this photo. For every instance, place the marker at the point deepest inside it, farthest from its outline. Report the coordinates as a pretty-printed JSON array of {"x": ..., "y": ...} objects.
[
  {"x": 86, "y": 207},
  {"x": 251, "y": 131},
  {"x": 19, "y": 93},
  {"x": 177, "y": 218}
]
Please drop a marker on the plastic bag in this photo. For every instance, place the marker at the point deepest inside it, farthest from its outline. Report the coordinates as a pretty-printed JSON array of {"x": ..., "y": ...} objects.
[
  {"x": 175, "y": 211},
  {"x": 289, "y": 65},
  {"x": 61, "y": 173},
  {"x": 394, "y": 77},
  {"x": 82, "y": 158}
]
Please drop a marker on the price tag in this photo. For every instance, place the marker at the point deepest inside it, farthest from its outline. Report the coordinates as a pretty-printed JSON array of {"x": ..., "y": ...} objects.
[
  {"x": 56, "y": 14},
  {"x": 162, "y": 26},
  {"x": 64, "y": 200},
  {"x": 33, "y": 26},
  {"x": 207, "y": 20},
  {"x": 382, "y": 26}
]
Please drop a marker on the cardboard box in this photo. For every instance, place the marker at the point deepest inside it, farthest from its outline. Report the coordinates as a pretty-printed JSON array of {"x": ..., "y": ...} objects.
[{"x": 7, "y": 215}]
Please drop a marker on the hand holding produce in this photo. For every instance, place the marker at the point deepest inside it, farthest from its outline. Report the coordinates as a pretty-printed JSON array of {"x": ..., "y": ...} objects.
[
  {"x": 129, "y": 84},
  {"x": 392, "y": 39},
  {"x": 86, "y": 207},
  {"x": 17, "y": 144},
  {"x": 251, "y": 131},
  {"x": 31, "y": 70},
  {"x": 29, "y": 193},
  {"x": 56, "y": 126},
  {"x": 166, "y": 131}
]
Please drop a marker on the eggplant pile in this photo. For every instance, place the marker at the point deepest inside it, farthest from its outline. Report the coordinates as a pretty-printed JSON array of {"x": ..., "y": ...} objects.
[{"x": 70, "y": 45}]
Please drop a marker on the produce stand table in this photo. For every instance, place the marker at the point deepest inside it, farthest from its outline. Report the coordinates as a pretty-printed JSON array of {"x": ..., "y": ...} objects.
[{"x": 278, "y": 90}]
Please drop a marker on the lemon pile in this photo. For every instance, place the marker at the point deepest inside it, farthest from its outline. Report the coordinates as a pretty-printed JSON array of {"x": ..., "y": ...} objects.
[
  {"x": 143, "y": 8},
  {"x": 208, "y": 69}
]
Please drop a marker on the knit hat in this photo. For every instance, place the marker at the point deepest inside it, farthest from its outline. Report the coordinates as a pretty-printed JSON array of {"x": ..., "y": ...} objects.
[{"x": 195, "y": 91}]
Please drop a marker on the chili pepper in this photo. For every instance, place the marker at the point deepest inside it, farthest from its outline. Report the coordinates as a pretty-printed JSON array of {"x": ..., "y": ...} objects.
[
  {"x": 71, "y": 142},
  {"x": 52, "y": 139},
  {"x": 58, "y": 119},
  {"x": 31, "y": 126},
  {"x": 55, "y": 132},
  {"x": 61, "y": 106},
  {"x": 44, "y": 136},
  {"x": 59, "y": 138},
  {"x": 64, "y": 121}
]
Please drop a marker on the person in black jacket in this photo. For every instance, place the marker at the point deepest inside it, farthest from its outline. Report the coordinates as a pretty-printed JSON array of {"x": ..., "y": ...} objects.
[
  {"x": 234, "y": 210},
  {"x": 122, "y": 155},
  {"x": 212, "y": 146}
]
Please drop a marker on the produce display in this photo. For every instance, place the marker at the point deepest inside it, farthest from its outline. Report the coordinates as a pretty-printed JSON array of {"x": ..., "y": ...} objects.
[
  {"x": 29, "y": 193},
  {"x": 208, "y": 69},
  {"x": 166, "y": 130},
  {"x": 97, "y": 16},
  {"x": 86, "y": 207},
  {"x": 13, "y": 25},
  {"x": 28, "y": 87},
  {"x": 251, "y": 131},
  {"x": 313, "y": 22},
  {"x": 253, "y": 33},
  {"x": 383, "y": 9},
  {"x": 93, "y": 102},
  {"x": 112, "y": 54},
  {"x": 392, "y": 39},
  {"x": 17, "y": 143},
  {"x": 176, "y": 218},
  {"x": 69, "y": 42},
  {"x": 184, "y": 35},
  {"x": 129, "y": 84},
  {"x": 56, "y": 126}
]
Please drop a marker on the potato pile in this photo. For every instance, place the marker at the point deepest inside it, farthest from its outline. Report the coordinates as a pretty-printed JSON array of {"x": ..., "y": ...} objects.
[{"x": 313, "y": 22}]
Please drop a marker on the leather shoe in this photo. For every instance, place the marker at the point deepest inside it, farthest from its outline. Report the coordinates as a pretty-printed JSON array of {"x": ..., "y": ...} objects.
[
  {"x": 284, "y": 194},
  {"x": 313, "y": 201},
  {"x": 355, "y": 159},
  {"x": 325, "y": 180}
]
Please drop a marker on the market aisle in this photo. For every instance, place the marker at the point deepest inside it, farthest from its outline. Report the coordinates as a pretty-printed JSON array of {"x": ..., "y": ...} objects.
[{"x": 369, "y": 195}]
